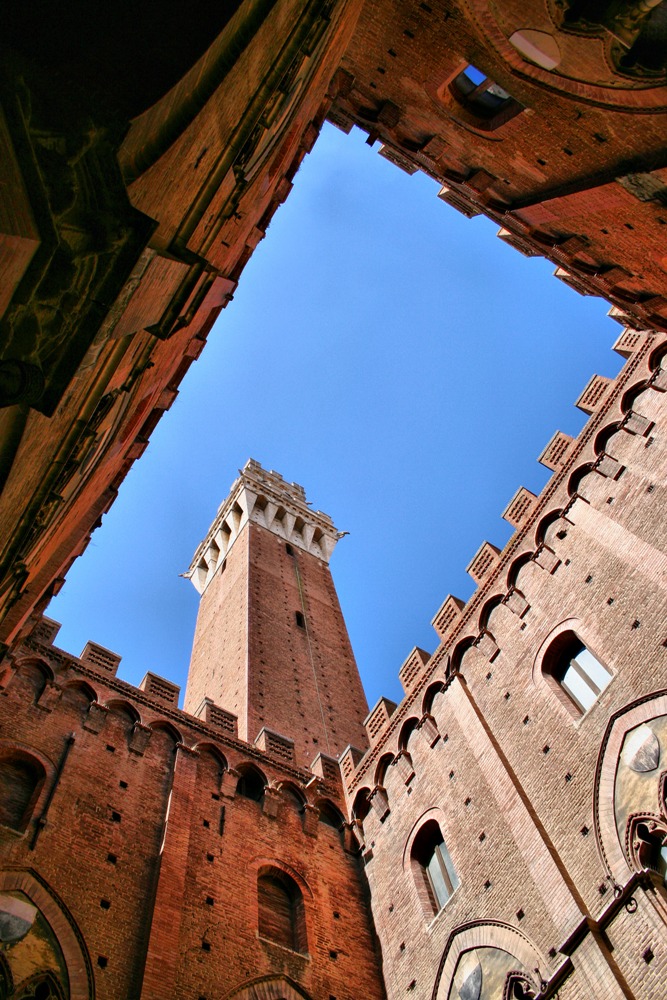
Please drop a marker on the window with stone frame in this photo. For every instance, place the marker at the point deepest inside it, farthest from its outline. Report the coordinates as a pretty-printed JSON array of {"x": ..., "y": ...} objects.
[
  {"x": 576, "y": 675},
  {"x": 484, "y": 98},
  {"x": 281, "y": 916},
  {"x": 432, "y": 867}
]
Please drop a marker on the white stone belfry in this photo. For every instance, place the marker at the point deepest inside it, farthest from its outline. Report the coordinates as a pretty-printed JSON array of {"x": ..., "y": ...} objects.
[{"x": 263, "y": 498}]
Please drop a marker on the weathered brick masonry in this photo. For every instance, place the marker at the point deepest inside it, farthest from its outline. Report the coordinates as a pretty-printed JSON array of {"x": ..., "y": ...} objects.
[
  {"x": 143, "y": 856},
  {"x": 509, "y": 817},
  {"x": 270, "y": 643},
  {"x": 538, "y": 816},
  {"x": 151, "y": 852}
]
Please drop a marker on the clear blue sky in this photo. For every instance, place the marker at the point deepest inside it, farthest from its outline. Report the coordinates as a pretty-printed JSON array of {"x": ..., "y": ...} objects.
[{"x": 394, "y": 358}]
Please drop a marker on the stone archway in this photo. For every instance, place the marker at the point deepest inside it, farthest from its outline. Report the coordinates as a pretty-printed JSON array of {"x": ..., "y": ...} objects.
[
  {"x": 269, "y": 988},
  {"x": 478, "y": 949},
  {"x": 29, "y": 901}
]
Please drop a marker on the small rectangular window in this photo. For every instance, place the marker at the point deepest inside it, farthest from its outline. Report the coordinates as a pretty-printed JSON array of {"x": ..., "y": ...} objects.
[{"x": 300, "y": 620}]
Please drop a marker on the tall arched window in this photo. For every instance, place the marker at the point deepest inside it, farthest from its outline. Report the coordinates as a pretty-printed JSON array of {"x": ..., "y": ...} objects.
[
  {"x": 432, "y": 868},
  {"x": 21, "y": 779},
  {"x": 281, "y": 916},
  {"x": 575, "y": 673}
]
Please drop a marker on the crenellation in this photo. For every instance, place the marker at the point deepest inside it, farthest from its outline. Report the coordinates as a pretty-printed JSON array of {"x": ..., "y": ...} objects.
[
  {"x": 447, "y": 615},
  {"x": 98, "y": 656},
  {"x": 412, "y": 668},
  {"x": 505, "y": 831},
  {"x": 555, "y": 453},
  {"x": 519, "y": 507},
  {"x": 483, "y": 562},
  {"x": 592, "y": 396}
]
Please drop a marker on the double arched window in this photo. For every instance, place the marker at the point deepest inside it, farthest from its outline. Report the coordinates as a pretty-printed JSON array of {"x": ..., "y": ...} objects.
[
  {"x": 432, "y": 868},
  {"x": 281, "y": 916}
]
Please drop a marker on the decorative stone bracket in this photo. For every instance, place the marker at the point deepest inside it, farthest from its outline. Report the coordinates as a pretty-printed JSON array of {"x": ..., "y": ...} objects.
[
  {"x": 403, "y": 765},
  {"x": 228, "y": 783},
  {"x": 378, "y": 799},
  {"x": 272, "y": 800},
  {"x": 97, "y": 716},
  {"x": 311, "y": 816},
  {"x": 427, "y": 726},
  {"x": 139, "y": 738}
]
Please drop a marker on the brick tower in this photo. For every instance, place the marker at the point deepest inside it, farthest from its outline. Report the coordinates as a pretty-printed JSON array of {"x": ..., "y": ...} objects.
[{"x": 271, "y": 645}]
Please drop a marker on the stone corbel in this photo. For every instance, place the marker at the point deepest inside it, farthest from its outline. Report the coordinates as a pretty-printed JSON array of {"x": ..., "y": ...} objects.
[
  {"x": 311, "y": 816},
  {"x": 403, "y": 765},
  {"x": 487, "y": 646},
  {"x": 8, "y": 675},
  {"x": 547, "y": 559},
  {"x": 49, "y": 698},
  {"x": 228, "y": 783},
  {"x": 272, "y": 799},
  {"x": 378, "y": 799},
  {"x": 139, "y": 738},
  {"x": 428, "y": 728},
  {"x": 608, "y": 467},
  {"x": 97, "y": 715},
  {"x": 353, "y": 837},
  {"x": 635, "y": 423},
  {"x": 517, "y": 603}
]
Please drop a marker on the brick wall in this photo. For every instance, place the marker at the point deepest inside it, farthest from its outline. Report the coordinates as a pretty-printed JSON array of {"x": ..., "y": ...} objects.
[
  {"x": 510, "y": 773},
  {"x": 254, "y": 658},
  {"x": 150, "y": 856}
]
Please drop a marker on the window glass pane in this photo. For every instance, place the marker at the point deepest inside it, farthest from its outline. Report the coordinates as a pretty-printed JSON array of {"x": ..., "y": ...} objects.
[
  {"x": 578, "y": 689},
  {"x": 662, "y": 864},
  {"x": 436, "y": 874},
  {"x": 593, "y": 668},
  {"x": 497, "y": 91},
  {"x": 449, "y": 867}
]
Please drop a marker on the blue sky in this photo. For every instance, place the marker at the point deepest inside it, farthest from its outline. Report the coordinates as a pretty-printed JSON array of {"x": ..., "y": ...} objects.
[{"x": 394, "y": 358}]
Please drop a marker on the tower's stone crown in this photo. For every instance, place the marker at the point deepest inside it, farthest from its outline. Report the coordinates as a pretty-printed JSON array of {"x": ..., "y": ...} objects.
[{"x": 264, "y": 498}]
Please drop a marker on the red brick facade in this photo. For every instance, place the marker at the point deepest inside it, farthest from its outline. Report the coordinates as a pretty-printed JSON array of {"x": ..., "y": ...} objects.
[
  {"x": 541, "y": 820},
  {"x": 507, "y": 827},
  {"x": 144, "y": 857}
]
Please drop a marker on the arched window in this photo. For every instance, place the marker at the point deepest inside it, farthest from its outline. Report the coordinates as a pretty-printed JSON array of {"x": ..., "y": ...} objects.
[
  {"x": 330, "y": 815},
  {"x": 42, "y": 987},
  {"x": 361, "y": 805},
  {"x": 575, "y": 672},
  {"x": 281, "y": 916},
  {"x": 21, "y": 779},
  {"x": 432, "y": 867},
  {"x": 251, "y": 784}
]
